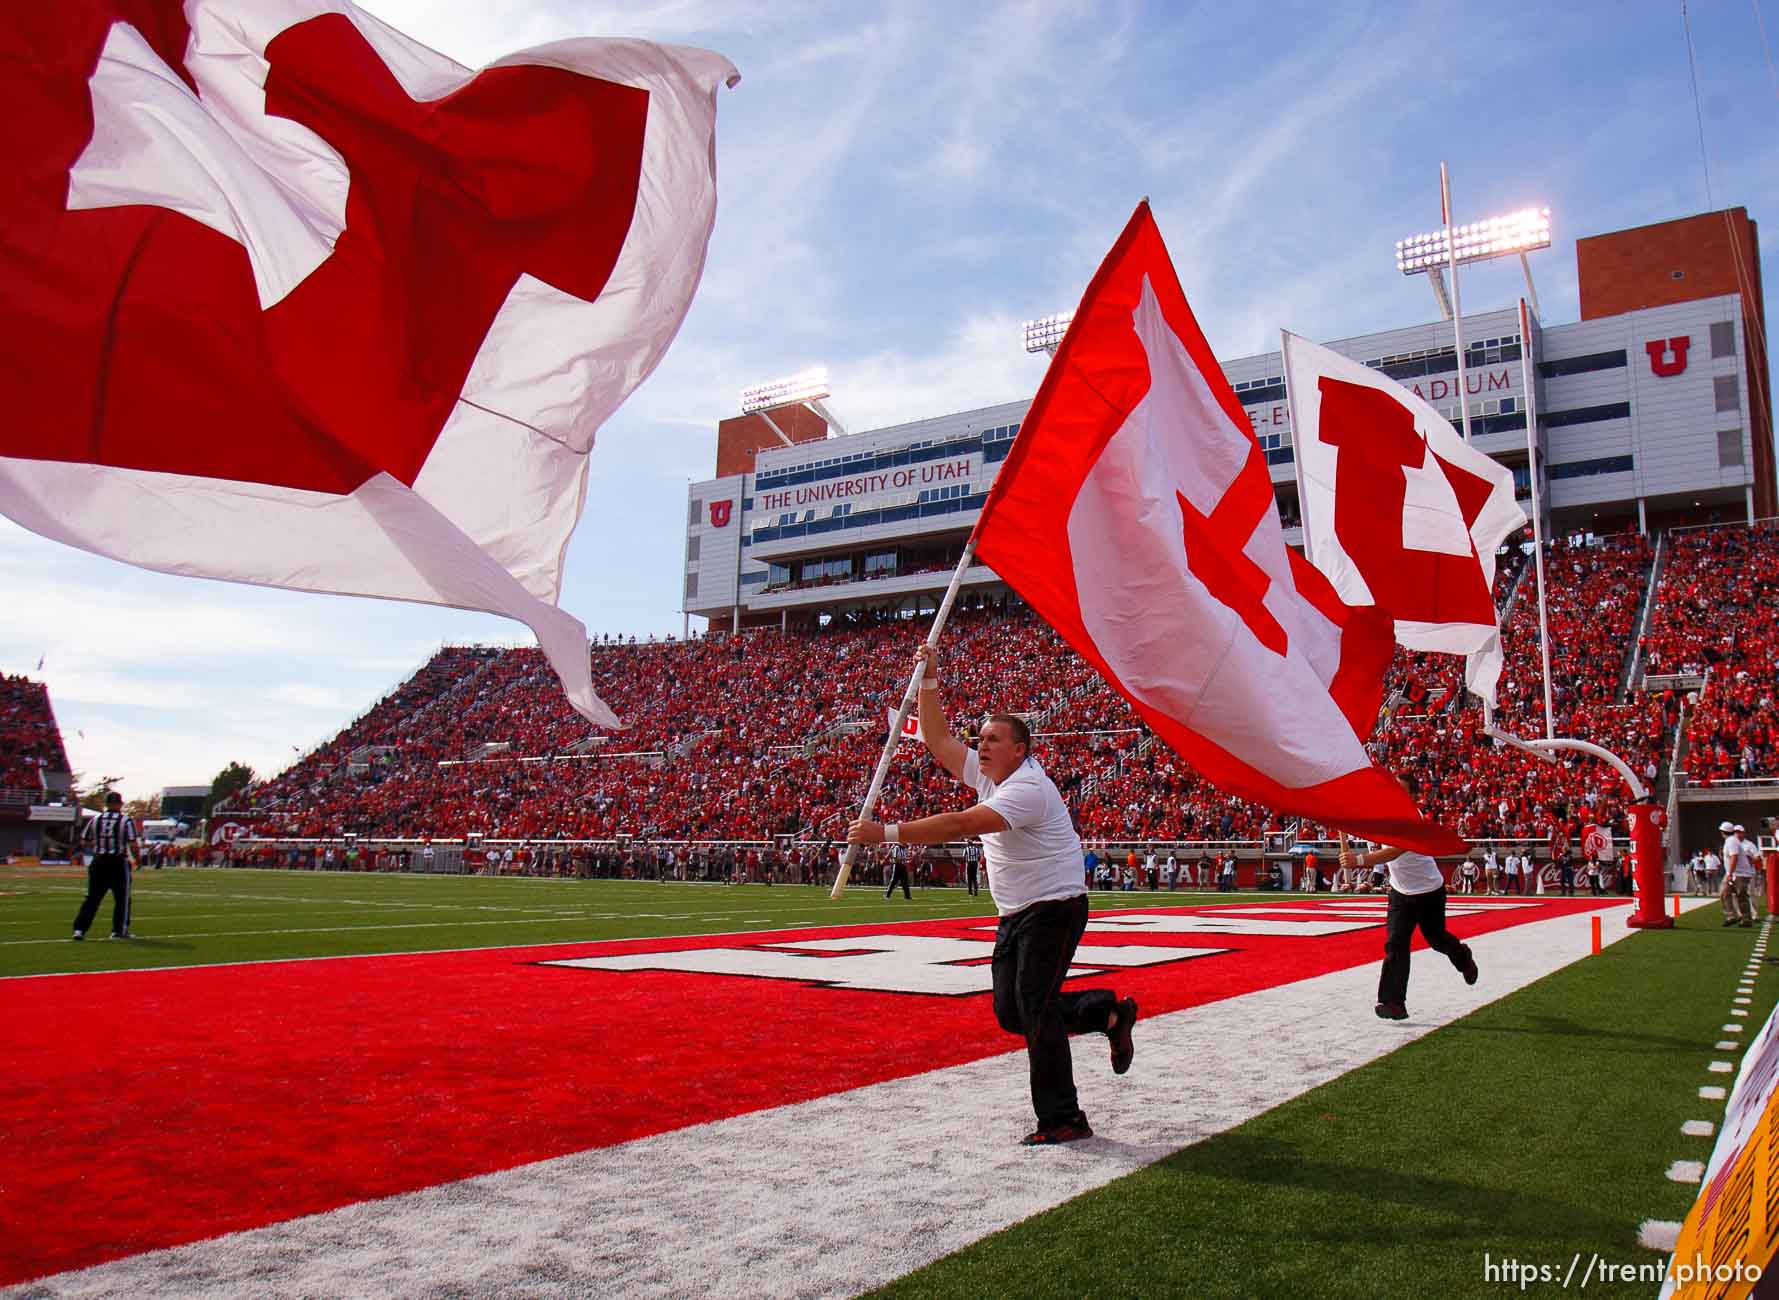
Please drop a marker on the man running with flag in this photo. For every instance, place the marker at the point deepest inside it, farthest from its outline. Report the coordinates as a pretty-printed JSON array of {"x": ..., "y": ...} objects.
[{"x": 1034, "y": 876}]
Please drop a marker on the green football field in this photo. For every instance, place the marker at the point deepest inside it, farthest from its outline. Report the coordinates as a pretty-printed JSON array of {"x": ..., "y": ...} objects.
[{"x": 1538, "y": 1129}]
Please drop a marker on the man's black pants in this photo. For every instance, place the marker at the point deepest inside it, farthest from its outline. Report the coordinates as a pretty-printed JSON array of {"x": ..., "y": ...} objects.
[
  {"x": 971, "y": 877},
  {"x": 1406, "y": 912},
  {"x": 107, "y": 873},
  {"x": 1033, "y": 949},
  {"x": 898, "y": 872}
]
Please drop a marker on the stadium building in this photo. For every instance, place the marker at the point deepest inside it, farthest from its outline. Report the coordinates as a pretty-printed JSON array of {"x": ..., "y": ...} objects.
[{"x": 1653, "y": 409}]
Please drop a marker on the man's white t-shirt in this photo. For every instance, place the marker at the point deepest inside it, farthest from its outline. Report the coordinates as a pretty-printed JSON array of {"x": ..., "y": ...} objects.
[
  {"x": 1414, "y": 873},
  {"x": 1037, "y": 859},
  {"x": 1744, "y": 862}
]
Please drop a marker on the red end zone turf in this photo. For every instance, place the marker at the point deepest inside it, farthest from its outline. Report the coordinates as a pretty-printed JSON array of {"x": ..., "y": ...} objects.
[{"x": 147, "y": 1109}]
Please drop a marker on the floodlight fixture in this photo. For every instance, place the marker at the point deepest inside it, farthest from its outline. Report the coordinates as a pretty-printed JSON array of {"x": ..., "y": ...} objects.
[
  {"x": 1045, "y": 334},
  {"x": 1477, "y": 241},
  {"x": 807, "y": 386}
]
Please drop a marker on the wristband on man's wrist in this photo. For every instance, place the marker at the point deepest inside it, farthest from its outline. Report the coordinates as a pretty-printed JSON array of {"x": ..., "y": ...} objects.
[{"x": 892, "y": 832}]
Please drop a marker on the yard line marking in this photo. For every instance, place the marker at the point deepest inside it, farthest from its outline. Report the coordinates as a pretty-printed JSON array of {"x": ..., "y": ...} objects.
[{"x": 1658, "y": 1234}]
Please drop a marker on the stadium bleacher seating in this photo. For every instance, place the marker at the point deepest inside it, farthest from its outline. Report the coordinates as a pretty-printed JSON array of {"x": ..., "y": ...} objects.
[
  {"x": 1717, "y": 615},
  {"x": 30, "y": 740},
  {"x": 763, "y": 734}
]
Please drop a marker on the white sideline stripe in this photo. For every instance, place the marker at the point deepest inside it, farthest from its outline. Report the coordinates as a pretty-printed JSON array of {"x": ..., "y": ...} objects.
[
  {"x": 1720, "y": 1067},
  {"x": 1686, "y": 1171},
  {"x": 1734, "y": 1029},
  {"x": 1658, "y": 1234},
  {"x": 1710, "y": 1093},
  {"x": 1726, "y": 1045},
  {"x": 844, "y": 1193},
  {"x": 1698, "y": 1128}
]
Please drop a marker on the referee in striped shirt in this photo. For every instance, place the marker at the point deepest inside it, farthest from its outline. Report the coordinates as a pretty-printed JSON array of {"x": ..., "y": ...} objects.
[{"x": 111, "y": 838}]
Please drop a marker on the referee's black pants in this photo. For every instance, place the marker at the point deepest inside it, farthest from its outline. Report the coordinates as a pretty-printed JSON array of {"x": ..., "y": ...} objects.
[
  {"x": 107, "y": 873},
  {"x": 971, "y": 877},
  {"x": 1407, "y": 911},
  {"x": 1033, "y": 949},
  {"x": 898, "y": 874}
]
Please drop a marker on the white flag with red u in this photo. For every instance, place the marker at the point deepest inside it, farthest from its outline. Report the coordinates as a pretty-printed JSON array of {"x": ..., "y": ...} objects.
[
  {"x": 1398, "y": 510},
  {"x": 288, "y": 298},
  {"x": 1136, "y": 514},
  {"x": 910, "y": 725}
]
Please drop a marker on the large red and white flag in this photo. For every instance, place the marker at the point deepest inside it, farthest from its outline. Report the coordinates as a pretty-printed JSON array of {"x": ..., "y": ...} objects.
[
  {"x": 1136, "y": 514},
  {"x": 1398, "y": 510},
  {"x": 288, "y": 298}
]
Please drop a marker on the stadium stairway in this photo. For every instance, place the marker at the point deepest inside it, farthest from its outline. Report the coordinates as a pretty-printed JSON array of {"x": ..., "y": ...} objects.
[{"x": 1633, "y": 673}]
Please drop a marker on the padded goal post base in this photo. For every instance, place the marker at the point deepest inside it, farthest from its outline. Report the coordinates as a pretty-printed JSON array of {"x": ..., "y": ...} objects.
[{"x": 1647, "y": 823}]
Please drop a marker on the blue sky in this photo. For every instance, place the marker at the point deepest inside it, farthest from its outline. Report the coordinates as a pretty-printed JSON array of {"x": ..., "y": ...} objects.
[{"x": 899, "y": 186}]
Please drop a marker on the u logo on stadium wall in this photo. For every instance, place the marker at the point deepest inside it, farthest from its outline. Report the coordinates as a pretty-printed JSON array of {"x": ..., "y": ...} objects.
[
  {"x": 1658, "y": 350},
  {"x": 719, "y": 513}
]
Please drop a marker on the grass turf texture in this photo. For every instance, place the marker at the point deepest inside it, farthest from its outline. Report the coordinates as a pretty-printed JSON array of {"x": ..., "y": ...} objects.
[
  {"x": 190, "y": 917},
  {"x": 1535, "y": 1128}
]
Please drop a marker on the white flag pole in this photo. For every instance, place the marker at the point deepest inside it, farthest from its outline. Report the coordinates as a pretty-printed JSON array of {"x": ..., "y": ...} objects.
[
  {"x": 1451, "y": 254},
  {"x": 1526, "y": 381},
  {"x": 1303, "y": 505},
  {"x": 908, "y": 699}
]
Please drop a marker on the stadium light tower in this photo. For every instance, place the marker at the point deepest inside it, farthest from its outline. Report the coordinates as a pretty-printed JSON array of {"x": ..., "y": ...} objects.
[
  {"x": 806, "y": 388},
  {"x": 1438, "y": 251},
  {"x": 1516, "y": 233},
  {"x": 1045, "y": 333}
]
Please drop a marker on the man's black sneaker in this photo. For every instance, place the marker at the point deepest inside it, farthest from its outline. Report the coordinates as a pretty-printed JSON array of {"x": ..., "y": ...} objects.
[
  {"x": 1069, "y": 1131},
  {"x": 1467, "y": 967},
  {"x": 1392, "y": 1011},
  {"x": 1123, "y": 1050}
]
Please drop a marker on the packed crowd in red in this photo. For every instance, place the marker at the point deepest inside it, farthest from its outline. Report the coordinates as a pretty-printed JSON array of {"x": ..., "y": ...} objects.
[
  {"x": 1717, "y": 614},
  {"x": 30, "y": 741},
  {"x": 746, "y": 737}
]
